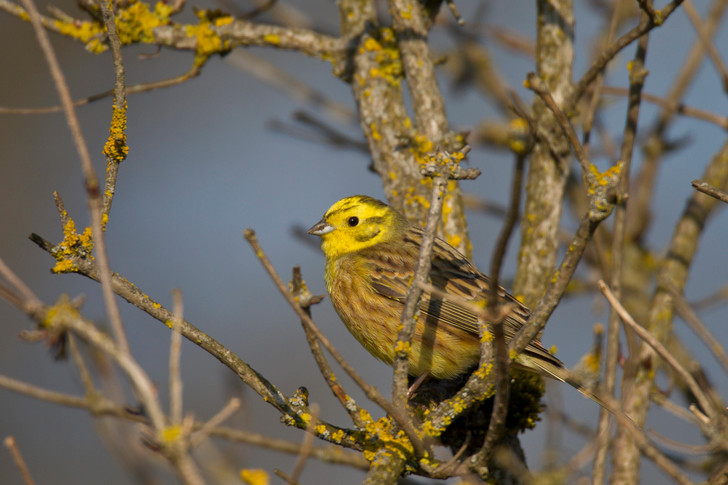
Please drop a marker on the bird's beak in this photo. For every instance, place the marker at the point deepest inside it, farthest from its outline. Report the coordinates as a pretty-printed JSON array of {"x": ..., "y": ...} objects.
[{"x": 320, "y": 228}]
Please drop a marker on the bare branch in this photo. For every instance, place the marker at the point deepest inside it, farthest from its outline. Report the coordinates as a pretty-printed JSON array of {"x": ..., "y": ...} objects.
[
  {"x": 306, "y": 447},
  {"x": 706, "y": 188},
  {"x": 414, "y": 291},
  {"x": 18, "y": 459},
  {"x": 210, "y": 426},
  {"x": 637, "y": 78},
  {"x": 707, "y": 42},
  {"x": 175, "y": 351},
  {"x": 645, "y": 25},
  {"x": 703, "y": 400},
  {"x": 709, "y": 339}
]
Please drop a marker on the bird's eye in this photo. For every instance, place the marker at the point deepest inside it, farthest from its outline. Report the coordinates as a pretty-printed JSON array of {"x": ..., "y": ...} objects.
[{"x": 353, "y": 221}]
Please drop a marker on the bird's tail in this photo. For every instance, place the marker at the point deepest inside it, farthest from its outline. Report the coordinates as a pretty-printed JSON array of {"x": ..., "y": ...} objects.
[{"x": 586, "y": 387}]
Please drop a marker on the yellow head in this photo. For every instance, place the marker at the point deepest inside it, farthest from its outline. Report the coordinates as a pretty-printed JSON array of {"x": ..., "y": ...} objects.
[{"x": 355, "y": 223}]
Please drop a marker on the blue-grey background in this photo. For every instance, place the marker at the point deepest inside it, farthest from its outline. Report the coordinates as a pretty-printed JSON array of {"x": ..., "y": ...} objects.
[{"x": 204, "y": 164}]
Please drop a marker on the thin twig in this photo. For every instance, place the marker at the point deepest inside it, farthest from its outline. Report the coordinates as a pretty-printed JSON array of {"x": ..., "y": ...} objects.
[
  {"x": 291, "y": 85},
  {"x": 116, "y": 148},
  {"x": 88, "y": 382},
  {"x": 703, "y": 399},
  {"x": 614, "y": 48},
  {"x": 675, "y": 106},
  {"x": 673, "y": 408},
  {"x": 283, "y": 476},
  {"x": 99, "y": 406},
  {"x": 207, "y": 429},
  {"x": 588, "y": 119},
  {"x": 718, "y": 297},
  {"x": 414, "y": 291},
  {"x": 699, "y": 27},
  {"x": 455, "y": 12},
  {"x": 306, "y": 299},
  {"x": 682, "y": 447},
  {"x": 497, "y": 421},
  {"x": 18, "y": 284},
  {"x": 637, "y": 78},
  {"x": 175, "y": 351},
  {"x": 313, "y": 130},
  {"x": 18, "y": 459},
  {"x": 14, "y": 9},
  {"x": 306, "y": 447},
  {"x": 708, "y": 189},
  {"x": 540, "y": 88},
  {"x": 133, "y": 89},
  {"x": 709, "y": 339}
]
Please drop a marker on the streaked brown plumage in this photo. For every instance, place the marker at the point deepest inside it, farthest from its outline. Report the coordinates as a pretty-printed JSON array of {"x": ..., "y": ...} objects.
[{"x": 371, "y": 252}]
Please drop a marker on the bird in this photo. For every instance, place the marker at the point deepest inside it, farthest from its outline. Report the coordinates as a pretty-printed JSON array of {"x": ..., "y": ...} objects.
[{"x": 371, "y": 253}]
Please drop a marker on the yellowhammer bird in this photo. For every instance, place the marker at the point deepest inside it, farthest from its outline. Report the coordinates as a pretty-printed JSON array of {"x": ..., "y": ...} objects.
[{"x": 371, "y": 253}]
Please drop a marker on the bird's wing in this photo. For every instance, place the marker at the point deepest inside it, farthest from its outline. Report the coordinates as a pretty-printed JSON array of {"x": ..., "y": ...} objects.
[{"x": 460, "y": 289}]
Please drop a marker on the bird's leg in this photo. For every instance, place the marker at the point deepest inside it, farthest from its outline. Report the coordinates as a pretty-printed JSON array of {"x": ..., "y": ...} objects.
[{"x": 415, "y": 385}]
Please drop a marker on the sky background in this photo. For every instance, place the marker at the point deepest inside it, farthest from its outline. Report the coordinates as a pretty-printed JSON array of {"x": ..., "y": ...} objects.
[{"x": 205, "y": 163}]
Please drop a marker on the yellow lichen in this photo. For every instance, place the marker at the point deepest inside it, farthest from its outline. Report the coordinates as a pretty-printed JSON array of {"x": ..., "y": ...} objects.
[
  {"x": 254, "y": 476},
  {"x": 73, "y": 245},
  {"x": 116, "y": 148},
  {"x": 375, "y": 133},
  {"x": 386, "y": 55},
  {"x": 338, "y": 436},
  {"x": 209, "y": 41},
  {"x": 603, "y": 178},
  {"x": 407, "y": 12},
  {"x": 88, "y": 32},
  {"x": 454, "y": 240},
  {"x": 62, "y": 311},
  {"x": 487, "y": 337},
  {"x": 170, "y": 434},
  {"x": 371, "y": 44},
  {"x": 422, "y": 147},
  {"x": 518, "y": 135},
  {"x": 136, "y": 22},
  {"x": 272, "y": 39},
  {"x": 220, "y": 21},
  {"x": 65, "y": 266},
  {"x": 401, "y": 346}
]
